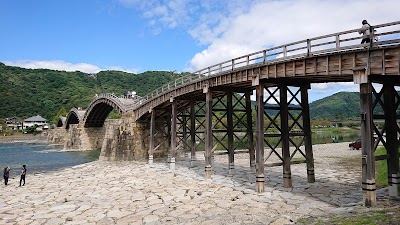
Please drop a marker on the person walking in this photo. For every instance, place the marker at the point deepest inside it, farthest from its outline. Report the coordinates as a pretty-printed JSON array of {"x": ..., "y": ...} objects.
[
  {"x": 365, "y": 32},
  {"x": 23, "y": 174},
  {"x": 6, "y": 174}
]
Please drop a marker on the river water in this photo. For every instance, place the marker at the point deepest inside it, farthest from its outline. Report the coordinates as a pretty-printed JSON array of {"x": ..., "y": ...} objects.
[{"x": 40, "y": 157}]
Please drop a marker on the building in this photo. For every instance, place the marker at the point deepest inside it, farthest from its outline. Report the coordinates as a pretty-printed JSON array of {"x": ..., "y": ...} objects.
[
  {"x": 36, "y": 120},
  {"x": 14, "y": 123}
]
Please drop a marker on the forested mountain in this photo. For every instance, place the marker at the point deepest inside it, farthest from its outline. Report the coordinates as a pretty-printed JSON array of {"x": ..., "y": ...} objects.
[
  {"x": 29, "y": 92},
  {"x": 337, "y": 106}
]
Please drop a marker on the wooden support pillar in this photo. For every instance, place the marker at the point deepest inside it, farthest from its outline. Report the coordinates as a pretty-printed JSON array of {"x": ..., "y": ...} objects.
[
  {"x": 287, "y": 174},
  {"x": 152, "y": 133},
  {"x": 192, "y": 133},
  {"x": 307, "y": 134},
  {"x": 185, "y": 137},
  {"x": 368, "y": 157},
  {"x": 174, "y": 118},
  {"x": 168, "y": 120},
  {"x": 250, "y": 136},
  {"x": 392, "y": 143},
  {"x": 260, "y": 177},
  {"x": 208, "y": 137},
  {"x": 231, "y": 153}
]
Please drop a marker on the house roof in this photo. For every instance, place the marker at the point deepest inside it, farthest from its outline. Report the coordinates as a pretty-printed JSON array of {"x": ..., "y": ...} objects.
[{"x": 35, "y": 119}]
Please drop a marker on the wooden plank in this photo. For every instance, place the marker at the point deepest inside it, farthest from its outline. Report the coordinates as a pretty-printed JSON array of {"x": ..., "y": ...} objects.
[
  {"x": 294, "y": 68},
  {"x": 281, "y": 163},
  {"x": 383, "y": 62},
  {"x": 327, "y": 65}
]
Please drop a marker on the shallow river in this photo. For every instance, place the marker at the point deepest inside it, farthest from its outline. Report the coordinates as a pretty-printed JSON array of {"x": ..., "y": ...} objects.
[{"x": 39, "y": 157}]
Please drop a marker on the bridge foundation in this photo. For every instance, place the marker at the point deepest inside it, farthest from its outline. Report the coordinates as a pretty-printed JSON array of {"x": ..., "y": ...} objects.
[
  {"x": 79, "y": 138},
  {"x": 125, "y": 140},
  {"x": 57, "y": 135}
]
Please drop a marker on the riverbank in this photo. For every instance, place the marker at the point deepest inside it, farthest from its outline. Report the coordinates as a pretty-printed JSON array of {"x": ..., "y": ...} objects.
[
  {"x": 137, "y": 193},
  {"x": 18, "y": 137}
]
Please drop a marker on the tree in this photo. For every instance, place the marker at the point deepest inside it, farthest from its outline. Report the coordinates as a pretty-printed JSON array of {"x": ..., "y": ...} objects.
[{"x": 61, "y": 112}]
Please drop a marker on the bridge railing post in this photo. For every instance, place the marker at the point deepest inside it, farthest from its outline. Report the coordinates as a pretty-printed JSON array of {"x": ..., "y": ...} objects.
[
  {"x": 248, "y": 60},
  {"x": 284, "y": 51},
  {"x": 264, "y": 56},
  {"x": 233, "y": 64},
  {"x": 308, "y": 47},
  {"x": 209, "y": 71},
  {"x": 337, "y": 41},
  {"x": 372, "y": 36}
]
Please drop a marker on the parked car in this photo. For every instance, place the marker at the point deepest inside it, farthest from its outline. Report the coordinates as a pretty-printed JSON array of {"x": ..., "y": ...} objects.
[{"x": 355, "y": 145}]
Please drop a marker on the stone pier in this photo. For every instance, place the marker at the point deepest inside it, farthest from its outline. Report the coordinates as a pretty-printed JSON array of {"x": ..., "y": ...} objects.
[
  {"x": 125, "y": 140},
  {"x": 57, "y": 135}
]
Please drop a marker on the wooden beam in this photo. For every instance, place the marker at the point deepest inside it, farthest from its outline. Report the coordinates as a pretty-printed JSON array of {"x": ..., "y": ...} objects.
[
  {"x": 250, "y": 135},
  {"x": 152, "y": 132},
  {"x": 392, "y": 142},
  {"x": 307, "y": 134},
  {"x": 260, "y": 177},
  {"x": 209, "y": 135},
  {"x": 192, "y": 133},
  {"x": 231, "y": 152},
  {"x": 368, "y": 157},
  {"x": 174, "y": 119},
  {"x": 287, "y": 174}
]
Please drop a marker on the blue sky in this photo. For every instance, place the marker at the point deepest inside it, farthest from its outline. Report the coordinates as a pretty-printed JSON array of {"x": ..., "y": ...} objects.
[{"x": 181, "y": 35}]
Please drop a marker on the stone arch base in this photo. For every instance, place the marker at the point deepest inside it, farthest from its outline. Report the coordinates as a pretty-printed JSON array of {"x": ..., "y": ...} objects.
[
  {"x": 125, "y": 140},
  {"x": 82, "y": 139}
]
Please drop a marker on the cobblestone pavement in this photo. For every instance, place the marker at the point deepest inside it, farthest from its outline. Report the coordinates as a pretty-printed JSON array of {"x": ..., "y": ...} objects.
[{"x": 138, "y": 193}]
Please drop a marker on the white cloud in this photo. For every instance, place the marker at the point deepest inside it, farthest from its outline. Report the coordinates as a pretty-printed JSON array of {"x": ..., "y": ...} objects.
[
  {"x": 64, "y": 66},
  {"x": 271, "y": 23}
]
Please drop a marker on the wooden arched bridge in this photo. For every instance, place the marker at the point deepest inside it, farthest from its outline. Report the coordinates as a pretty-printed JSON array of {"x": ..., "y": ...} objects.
[{"x": 211, "y": 108}]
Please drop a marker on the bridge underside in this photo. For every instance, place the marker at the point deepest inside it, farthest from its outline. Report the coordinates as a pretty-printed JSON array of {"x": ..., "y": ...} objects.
[
  {"x": 97, "y": 115},
  {"x": 71, "y": 119}
]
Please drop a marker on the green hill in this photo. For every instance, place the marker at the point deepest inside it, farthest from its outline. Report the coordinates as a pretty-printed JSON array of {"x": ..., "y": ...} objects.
[
  {"x": 337, "y": 106},
  {"x": 29, "y": 92}
]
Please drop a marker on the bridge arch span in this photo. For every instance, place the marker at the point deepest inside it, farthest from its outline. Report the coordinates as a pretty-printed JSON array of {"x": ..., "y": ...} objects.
[
  {"x": 99, "y": 109},
  {"x": 74, "y": 116}
]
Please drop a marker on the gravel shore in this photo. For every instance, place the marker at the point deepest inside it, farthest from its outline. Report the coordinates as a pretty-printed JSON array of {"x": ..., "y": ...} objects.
[{"x": 137, "y": 193}]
